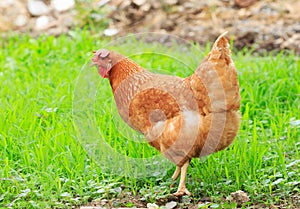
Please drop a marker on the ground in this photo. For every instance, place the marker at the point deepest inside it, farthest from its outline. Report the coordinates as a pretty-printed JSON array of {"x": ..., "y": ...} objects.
[
  {"x": 262, "y": 26},
  {"x": 128, "y": 201}
]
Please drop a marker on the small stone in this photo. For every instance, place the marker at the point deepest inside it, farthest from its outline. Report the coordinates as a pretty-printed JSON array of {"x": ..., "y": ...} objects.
[
  {"x": 171, "y": 2},
  {"x": 152, "y": 206},
  {"x": 104, "y": 202},
  {"x": 139, "y": 2},
  {"x": 171, "y": 205},
  {"x": 37, "y": 8},
  {"x": 42, "y": 22},
  {"x": 21, "y": 20},
  {"x": 110, "y": 31},
  {"x": 102, "y": 3},
  {"x": 146, "y": 7},
  {"x": 239, "y": 197},
  {"x": 62, "y": 6}
]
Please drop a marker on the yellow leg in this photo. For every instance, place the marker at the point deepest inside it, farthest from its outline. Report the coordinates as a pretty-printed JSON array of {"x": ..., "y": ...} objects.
[
  {"x": 182, "y": 190},
  {"x": 176, "y": 173}
]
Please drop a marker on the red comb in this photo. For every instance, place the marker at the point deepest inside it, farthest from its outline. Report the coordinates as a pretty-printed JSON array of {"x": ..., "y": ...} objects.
[{"x": 104, "y": 53}]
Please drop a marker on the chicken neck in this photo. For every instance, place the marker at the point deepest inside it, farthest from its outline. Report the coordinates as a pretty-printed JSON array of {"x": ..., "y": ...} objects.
[{"x": 122, "y": 70}]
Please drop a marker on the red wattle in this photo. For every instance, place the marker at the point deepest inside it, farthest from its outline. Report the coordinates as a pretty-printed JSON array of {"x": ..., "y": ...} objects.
[{"x": 102, "y": 72}]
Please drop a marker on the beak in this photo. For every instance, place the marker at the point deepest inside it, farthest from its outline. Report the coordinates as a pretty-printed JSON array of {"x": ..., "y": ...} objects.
[
  {"x": 93, "y": 59},
  {"x": 93, "y": 62}
]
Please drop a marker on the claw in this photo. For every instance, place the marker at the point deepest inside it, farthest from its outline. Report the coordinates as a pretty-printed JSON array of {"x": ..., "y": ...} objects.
[{"x": 182, "y": 191}]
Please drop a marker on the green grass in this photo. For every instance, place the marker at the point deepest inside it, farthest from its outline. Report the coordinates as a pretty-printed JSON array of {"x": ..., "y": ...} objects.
[{"x": 52, "y": 103}]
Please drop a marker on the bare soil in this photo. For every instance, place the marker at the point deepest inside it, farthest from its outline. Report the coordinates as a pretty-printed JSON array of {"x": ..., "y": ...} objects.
[
  {"x": 263, "y": 26},
  {"x": 129, "y": 201},
  {"x": 270, "y": 25}
]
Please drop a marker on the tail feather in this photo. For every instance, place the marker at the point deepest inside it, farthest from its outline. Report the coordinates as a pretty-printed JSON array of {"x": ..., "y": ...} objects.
[
  {"x": 220, "y": 50},
  {"x": 215, "y": 80}
]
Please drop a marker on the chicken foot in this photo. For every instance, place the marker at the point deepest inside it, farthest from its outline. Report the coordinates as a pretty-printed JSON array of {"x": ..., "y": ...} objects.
[{"x": 182, "y": 190}]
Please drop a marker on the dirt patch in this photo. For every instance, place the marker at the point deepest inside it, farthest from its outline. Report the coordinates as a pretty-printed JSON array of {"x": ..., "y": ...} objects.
[
  {"x": 128, "y": 200},
  {"x": 261, "y": 25}
]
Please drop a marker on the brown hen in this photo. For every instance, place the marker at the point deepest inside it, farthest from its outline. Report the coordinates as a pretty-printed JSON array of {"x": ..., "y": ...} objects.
[{"x": 183, "y": 118}]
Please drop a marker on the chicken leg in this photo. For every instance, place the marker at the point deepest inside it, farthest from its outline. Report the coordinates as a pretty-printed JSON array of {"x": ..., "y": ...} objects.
[
  {"x": 176, "y": 173},
  {"x": 182, "y": 190}
]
